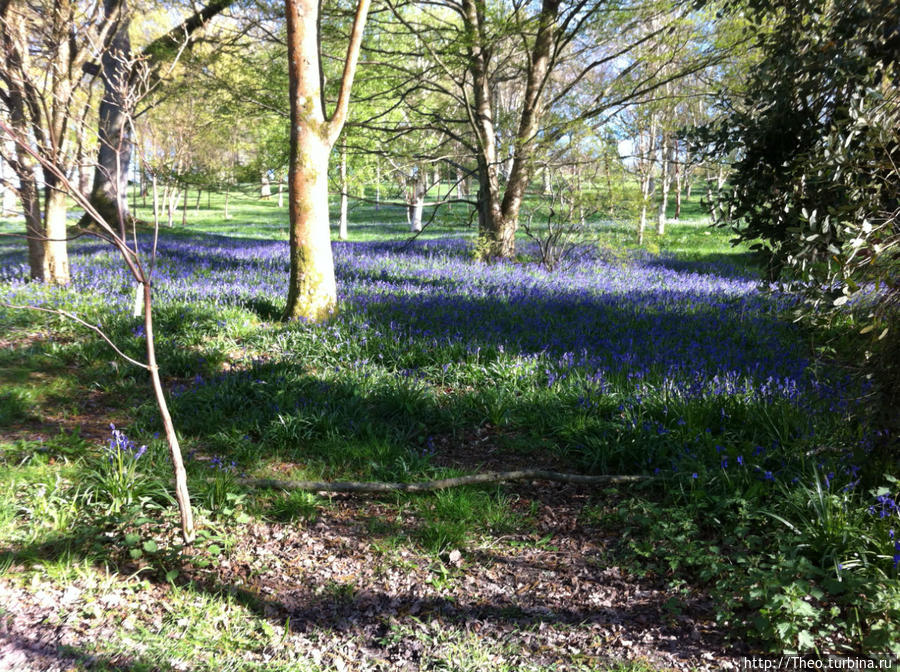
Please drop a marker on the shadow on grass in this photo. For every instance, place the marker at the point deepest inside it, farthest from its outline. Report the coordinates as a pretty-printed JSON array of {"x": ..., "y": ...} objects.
[
  {"x": 506, "y": 598},
  {"x": 41, "y": 651},
  {"x": 737, "y": 265}
]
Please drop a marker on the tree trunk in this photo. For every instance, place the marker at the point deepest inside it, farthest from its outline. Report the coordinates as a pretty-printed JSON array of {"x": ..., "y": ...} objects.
[
  {"x": 134, "y": 189},
  {"x": 34, "y": 229},
  {"x": 578, "y": 194},
  {"x": 665, "y": 183},
  {"x": 24, "y": 167},
  {"x": 8, "y": 205},
  {"x": 496, "y": 235},
  {"x": 607, "y": 172},
  {"x": 155, "y": 203},
  {"x": 646, "y": 159},
  {"x": 24, "y": 164},
  {"x": 170, "y": 205},
  {"x": 227, "y": 194},
  {"x": 265, "y": 189},
  {"x": 499, "y": 214},
  {"x": 181, "y": 489},
  {"x": 197, "y": 202},
  {"x": 679, "y": 176},
  {"x": 109, "y": 194},
  {"x": 312, "y": 292},
  {"x": 342, "y": 224},
  {"x": 84, "y": 173},
  {"x": 418, "y": 201},
  {"x": 642, "y": 226},
  {"x": 377, "y": 184},
  {"x": 56, "y": 257},
  {"x": 184, "y": 207},
  {"x": 280, "y": 192}
]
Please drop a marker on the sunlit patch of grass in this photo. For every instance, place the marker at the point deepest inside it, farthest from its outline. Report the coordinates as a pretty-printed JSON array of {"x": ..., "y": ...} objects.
[{"x": 451, "y": 518}]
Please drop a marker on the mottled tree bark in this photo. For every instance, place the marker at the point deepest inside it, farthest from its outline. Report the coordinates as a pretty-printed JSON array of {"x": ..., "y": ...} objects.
[{"x": 312, "y": 292}]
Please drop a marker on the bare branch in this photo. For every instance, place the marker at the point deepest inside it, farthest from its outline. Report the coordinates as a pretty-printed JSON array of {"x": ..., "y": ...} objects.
[
  {"x": 336, "y": 123},
  {"x": 72, "y": 316},
  {"x": 439, "y": 484}
]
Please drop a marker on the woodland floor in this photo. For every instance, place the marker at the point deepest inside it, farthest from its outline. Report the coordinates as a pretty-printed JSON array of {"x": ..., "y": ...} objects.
[
  {"x": 340, "y": 594},
  {"x": 551, "y": 602}
]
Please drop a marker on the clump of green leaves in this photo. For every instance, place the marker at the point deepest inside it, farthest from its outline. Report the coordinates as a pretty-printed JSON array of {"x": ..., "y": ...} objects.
[{"x": 118, "y": 481}]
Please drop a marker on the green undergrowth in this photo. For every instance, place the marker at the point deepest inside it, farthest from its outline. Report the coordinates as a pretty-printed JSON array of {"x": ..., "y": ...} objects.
[{"x": 750, "y": 500}]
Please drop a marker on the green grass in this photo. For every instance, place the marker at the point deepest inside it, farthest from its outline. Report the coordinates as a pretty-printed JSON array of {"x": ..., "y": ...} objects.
[{"x": 68, "y": 518}]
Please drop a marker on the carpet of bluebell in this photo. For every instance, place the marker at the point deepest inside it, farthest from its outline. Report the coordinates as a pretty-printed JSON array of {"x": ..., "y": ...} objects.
[{"x": 628, "y": 362}]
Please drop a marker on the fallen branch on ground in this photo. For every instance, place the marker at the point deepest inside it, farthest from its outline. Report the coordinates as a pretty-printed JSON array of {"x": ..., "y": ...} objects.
[{"x": 439, "y": 484}]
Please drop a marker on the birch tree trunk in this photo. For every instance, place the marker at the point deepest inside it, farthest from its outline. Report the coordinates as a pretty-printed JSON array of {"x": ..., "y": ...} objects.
[
  {"x": 646, "y": 161},
  {"x": 184, "y": 207},
  {"x": 418, "y": 201},
  {"x": 665, "y": 183},
  {"x": 56, "y": 258},
  {"x": 377, "y": 184},
  {"x": 8, "y": 204},
  {"x": 155, "y": 202},
  {"x": 679, "y": 175},
  {"x": 342, "y": 225},
  {"x": 171, "y": 205}
]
